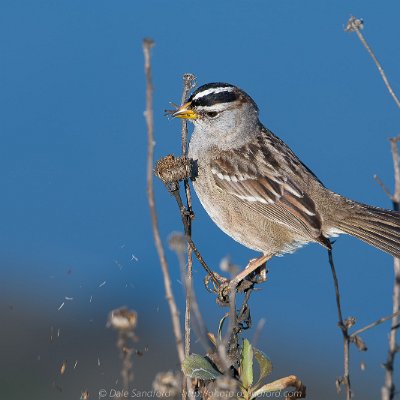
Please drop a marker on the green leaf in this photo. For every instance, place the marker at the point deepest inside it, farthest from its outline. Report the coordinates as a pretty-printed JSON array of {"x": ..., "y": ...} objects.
[
  {"x": 196, "y": 366},
  {"x": 264, "y": 364},
  {"x": 246, "y": 365}
]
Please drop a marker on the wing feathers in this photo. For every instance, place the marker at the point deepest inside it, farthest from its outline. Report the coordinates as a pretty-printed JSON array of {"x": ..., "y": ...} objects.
[{"x": 252, "y": 174}]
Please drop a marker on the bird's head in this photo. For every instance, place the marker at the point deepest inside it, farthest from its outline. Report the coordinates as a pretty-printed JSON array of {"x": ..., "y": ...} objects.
[{"x": 219, "y": 109}]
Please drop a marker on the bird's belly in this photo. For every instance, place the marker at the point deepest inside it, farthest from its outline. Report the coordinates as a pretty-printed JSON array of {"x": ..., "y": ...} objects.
[{"x": 232, "y": 217}]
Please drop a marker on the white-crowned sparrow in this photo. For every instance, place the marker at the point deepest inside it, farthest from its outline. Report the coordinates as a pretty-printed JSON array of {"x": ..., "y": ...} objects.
[{"x": 257, "y": 190}]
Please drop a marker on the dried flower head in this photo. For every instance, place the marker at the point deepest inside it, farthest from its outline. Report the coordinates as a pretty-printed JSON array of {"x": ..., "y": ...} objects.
[
  {"x": 223, "y": 387},
  {"x": 122, "y": 319},
  {"x": 177, "y": 242},
  {"x": 173, "y": 169},
  {"x": 168, "y": 384},
  {"x": 354, "y": 24},
  {"x": 85, "y": 395}
]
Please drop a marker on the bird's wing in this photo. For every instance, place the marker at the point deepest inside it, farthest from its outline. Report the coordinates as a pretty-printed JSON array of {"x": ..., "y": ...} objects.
[{"x": 259, "y": 173}]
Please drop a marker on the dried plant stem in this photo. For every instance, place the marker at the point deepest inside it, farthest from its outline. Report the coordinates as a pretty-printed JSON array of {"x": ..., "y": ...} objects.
[
  {"x": 188, "y": 301},
  {"x": 388, "y": 389},
  {"x": 232, "y": 338},
  {"x": 147, "y": 45},
  {"x": 375, "y": 323},
  {"x": 126, "y": 355},
  {"x": 188, "y": 80},
  {"x": 396, "y": 166},
  {"x": 175, "y": 192},
  {"x": 188, "y": 306},
  {"x": 343, "y": 325},
  {"x": 171, "y": 170},
  {"x": 198, "y": 322},
  {"x": 378, "y": 65},
  {"x": 257, "y": 333},
  {"x": 355, "y": 25}
]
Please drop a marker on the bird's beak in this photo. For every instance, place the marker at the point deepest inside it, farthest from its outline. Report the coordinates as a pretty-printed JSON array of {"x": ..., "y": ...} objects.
[{"x": 185, "y": 112}]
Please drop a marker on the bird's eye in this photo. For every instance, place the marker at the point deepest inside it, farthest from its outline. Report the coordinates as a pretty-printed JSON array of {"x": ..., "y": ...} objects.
[{"x": 211, "y": 114}]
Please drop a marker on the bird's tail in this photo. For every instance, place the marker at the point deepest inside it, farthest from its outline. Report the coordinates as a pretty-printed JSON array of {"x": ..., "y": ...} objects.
[{"x": 375, "y": 226}]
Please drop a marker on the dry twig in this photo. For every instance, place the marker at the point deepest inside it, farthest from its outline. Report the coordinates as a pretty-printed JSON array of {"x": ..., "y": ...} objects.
[
  {"x": 344, "y": 327},
  {"x": 188, "y": 84},
  {"x": 373, "y": 324},
  {"x": 171, "y": 170},
  {"x": 355, "y": 25},
  {"x": 178, "y": 243},
  {"x": 147, "y": 45},
  {"x": 348, "y": 338},
  {"x": 388, "y": 389},
  {"x": 124, "y": 321}
]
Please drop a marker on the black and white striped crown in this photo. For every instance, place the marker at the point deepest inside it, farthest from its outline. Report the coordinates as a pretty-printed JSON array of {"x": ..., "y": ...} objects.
[{"x": 215, "y": 93}]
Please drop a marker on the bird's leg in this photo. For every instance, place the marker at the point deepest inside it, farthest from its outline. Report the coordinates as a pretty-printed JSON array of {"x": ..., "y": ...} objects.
[
  {"x": 250, "y": 268},
  {"x": 239, "y": 284}
]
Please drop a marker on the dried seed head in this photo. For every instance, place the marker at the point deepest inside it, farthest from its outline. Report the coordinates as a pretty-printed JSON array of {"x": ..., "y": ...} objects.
[
  {"x": 173, "y": 169},
  {"x": 122, "y": 319},
  {"x": 168, "y": 384},
  {"x": 85, "y": 395},
  {"x": 177, "y": 242},
  {"x": 354, "y": 24},
  {"x": 222, "y": 388}
]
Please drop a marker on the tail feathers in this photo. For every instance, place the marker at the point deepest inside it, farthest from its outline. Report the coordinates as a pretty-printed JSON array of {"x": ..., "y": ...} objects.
[{"x": 375, "y": 226}]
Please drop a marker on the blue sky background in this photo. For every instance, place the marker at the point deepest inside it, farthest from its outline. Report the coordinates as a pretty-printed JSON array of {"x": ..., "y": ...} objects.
[{"x": 72, "y": 161}]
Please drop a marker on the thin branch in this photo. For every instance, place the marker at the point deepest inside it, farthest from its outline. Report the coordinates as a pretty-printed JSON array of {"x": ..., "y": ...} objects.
[
  {"x": 388, "y": 389},
  {"x": 178, "y": 243},
  {"x": 171, "y": 170},
  {"x": 228, "y": 348},
  {"x": 147, "y": 45},
  {"x": 355, "y": 25},
  {"x": 184, "y": 217},
  {"x": 395, "y": 197},
  {"x": 232, "y": 333},
  {"x": 373, "y": 324},
  {"x": 337, "y": 293},
  {"x": 124, "y": 321},
  {"x": 396, "y": 167},
  {"x": 188, "y": 81},
  {"x": 383, "y": 186},
  {"x": 344, "y": 326},
  {"x": 257, "y": 333}
]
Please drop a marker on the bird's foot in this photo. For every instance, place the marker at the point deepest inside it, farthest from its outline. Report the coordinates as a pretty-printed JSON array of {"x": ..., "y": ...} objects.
[{"x": 255, "y": 272}]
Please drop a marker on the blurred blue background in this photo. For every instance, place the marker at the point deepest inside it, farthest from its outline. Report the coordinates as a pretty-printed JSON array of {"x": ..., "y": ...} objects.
[{"x": 74, "y": 216}]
